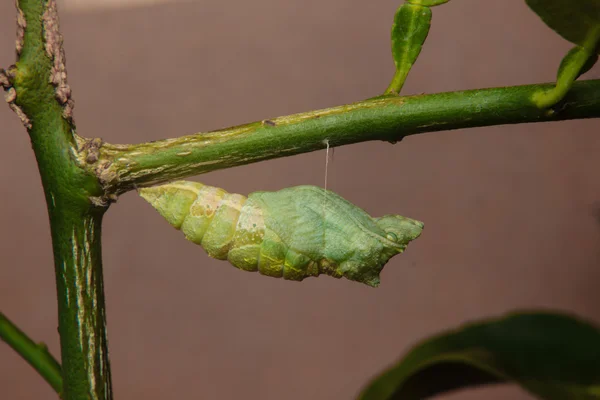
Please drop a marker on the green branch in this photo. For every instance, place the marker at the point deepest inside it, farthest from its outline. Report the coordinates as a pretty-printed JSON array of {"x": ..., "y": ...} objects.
[
  {"x": 390, "y": 118},
  {"x": 82, "y": 319},
  {"x": 37, "y": 355},
  {"x": 38, "y": 92}
]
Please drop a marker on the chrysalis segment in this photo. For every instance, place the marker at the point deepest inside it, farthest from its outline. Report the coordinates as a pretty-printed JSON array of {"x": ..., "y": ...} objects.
[
  {"x": 272, "y": 255},
  {"x": 296, "y": 266},
  {"x": 219, "y": 234},
  {"x": 294, "y": 233},
  {"x": 249, "y": 233},
  {"x": 201, "y": 212}
]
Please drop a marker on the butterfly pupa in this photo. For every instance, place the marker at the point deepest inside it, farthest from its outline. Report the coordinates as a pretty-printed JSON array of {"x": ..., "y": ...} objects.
[{"x": 293, "y": 233}]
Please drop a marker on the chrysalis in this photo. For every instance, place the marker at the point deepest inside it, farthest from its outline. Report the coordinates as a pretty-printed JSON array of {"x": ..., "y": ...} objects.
[{"x": 293, "y": 233}]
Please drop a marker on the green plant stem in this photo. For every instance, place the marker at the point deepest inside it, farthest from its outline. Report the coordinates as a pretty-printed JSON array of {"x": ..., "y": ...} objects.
[
  {"x": 36, "y": 354},
  {"x": 389, "y": 118},
  {"x": 82, "y": 320},
  {"x": 43, "y": 103}
]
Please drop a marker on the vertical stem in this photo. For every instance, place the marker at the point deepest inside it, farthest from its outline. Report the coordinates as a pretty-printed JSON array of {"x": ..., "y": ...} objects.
[
  {"x": 82, "y": 318},
  {"x": 41, "y": 97}
]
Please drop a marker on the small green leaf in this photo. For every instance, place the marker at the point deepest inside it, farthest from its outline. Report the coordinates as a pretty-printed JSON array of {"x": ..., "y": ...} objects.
[
  {"x": 552, "y": 356},
  {"x": 427, "y": 3},
  {"x": 578, "y": 21},
  {"x": 410, "y": 29}
]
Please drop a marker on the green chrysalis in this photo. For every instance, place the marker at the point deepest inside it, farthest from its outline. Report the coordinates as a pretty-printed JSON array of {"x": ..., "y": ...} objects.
[{"x": 293, "y": 233}]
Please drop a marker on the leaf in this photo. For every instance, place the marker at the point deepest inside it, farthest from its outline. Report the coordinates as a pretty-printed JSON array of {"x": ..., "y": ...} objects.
[
  {"x": 578, "y": 21},
  {"x": 409, "y": 31},
  {"x": 427, "y": 3},
  {"x": 552, "y": 356}
]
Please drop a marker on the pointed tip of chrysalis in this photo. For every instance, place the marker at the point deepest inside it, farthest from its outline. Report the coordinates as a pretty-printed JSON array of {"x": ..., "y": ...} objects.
[{"x": 170, "y": 202}]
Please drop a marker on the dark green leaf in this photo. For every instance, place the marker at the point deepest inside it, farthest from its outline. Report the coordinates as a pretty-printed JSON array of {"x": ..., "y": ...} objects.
[
  {"x": 578, "y": 21},
  {"x": 552, "y": 356}
]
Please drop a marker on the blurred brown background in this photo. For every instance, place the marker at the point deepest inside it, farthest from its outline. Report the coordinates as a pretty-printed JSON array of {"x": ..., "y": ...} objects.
[{"x": 511, "y": 212}]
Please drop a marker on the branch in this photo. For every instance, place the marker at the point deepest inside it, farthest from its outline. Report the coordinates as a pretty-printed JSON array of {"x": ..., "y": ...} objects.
[
  {"x": 37, "y": 355},
  {"x": 390, "y": 118},
  {"x": 37, "y": 90},
  {"x": 82, "y": 318}
]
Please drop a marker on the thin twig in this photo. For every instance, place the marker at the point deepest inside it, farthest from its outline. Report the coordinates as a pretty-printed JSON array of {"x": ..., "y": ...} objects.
[{"x": 36, "y": 354}]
